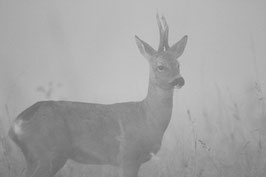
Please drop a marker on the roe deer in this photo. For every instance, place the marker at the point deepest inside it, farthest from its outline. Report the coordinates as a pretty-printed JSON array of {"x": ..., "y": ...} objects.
[{"x": 122, "y": 134}]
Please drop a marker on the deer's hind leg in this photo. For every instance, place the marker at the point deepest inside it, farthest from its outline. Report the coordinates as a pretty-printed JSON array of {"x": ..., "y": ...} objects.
[
  {"x": 42, "y": 161},
  {"x": 45, "y": 167}
]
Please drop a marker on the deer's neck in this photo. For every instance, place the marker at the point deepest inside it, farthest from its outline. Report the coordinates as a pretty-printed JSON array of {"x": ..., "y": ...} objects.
[{"x": 158, "y": 105}]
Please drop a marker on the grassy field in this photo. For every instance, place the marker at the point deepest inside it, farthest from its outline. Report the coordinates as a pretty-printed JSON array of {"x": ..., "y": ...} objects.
[{"x": 223, "y": 139}]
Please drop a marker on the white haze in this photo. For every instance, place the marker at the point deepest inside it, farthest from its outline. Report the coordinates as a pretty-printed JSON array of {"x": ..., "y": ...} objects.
[{"x": 85, "y": 51}]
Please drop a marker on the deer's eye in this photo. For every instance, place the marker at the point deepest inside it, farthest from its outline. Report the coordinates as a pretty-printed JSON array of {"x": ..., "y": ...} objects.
[{"x": 161, "y": 68}]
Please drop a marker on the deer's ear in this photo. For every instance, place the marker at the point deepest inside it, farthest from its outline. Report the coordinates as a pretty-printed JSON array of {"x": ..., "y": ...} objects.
[
  {"x": 145, "y": 49},
  {"x": 178, "y": 48}
]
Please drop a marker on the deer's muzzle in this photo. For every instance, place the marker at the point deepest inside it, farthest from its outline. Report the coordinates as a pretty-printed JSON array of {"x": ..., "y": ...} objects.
[{"x": 179, "y": 82}]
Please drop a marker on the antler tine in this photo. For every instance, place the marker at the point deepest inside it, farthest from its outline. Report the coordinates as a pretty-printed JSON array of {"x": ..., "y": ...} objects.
[
  {"x": 161, "y": 32},
  {"x": 166, "y": 31}
]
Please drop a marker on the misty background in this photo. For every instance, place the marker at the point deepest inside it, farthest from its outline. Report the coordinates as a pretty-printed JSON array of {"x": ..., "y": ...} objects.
[{"x": 85, "y": 51}]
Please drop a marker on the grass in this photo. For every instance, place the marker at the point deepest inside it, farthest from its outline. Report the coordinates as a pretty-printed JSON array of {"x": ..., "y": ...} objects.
[{"x": 226, "y": 140}]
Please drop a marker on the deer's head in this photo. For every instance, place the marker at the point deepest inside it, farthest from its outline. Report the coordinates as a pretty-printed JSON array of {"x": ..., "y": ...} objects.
[{"x": 164, "y": 66}]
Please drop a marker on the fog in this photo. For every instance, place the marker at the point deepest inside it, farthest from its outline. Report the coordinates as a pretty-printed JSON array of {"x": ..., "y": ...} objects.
[{"x": 86, "y": 51}]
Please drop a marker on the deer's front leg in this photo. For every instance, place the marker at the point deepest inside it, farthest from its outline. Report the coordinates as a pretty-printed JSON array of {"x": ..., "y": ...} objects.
[{"x": 129, "y": 169}]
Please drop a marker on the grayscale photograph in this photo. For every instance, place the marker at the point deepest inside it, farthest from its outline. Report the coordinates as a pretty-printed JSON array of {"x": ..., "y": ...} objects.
[{"x": 143, "y": 88}]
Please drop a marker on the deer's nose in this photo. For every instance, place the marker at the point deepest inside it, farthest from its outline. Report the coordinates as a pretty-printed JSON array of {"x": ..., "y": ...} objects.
[{"x": 178, "y": 82}]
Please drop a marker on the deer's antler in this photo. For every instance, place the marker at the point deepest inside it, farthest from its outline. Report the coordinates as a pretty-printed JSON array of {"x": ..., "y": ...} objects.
[{"x": 163, "y": 30}]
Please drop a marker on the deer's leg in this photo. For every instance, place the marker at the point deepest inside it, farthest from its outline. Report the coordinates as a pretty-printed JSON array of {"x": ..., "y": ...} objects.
[
  {"x": 129, "y": 169},
  {"x": 57, "y": 164},
  {"x": 31, "y": 167},
  {"x": 46, "y": 168},
  {"x": 45, "y": 165},
  {"x": 43, "y": 169}
]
